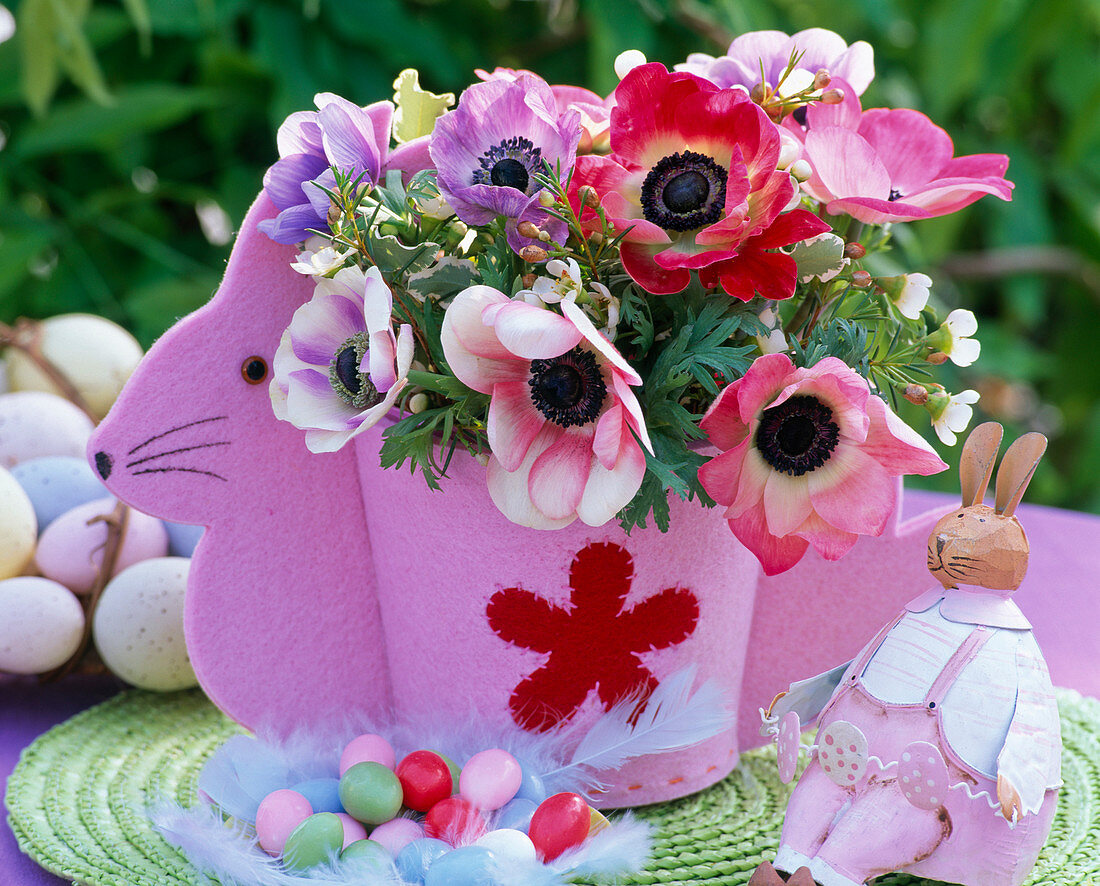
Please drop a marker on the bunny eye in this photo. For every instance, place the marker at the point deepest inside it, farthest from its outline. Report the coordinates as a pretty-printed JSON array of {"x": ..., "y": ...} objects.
[
  {"x": 981, "y": 519},
  {"x": 960, "y": 516},
  {"x": 254, "y": 370}
]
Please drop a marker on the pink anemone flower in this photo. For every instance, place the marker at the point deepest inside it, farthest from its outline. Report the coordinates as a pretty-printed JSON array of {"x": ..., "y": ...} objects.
[
  {"x": 693, "y": 182},
  {"x": 891, "y": 165},
  {"x": 809, "y": 457},
  {"x": 563, "y": 422}
]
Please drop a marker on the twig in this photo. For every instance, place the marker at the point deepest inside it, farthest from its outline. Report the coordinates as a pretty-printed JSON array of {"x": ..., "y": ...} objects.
[
  {"x": 26, "y": 336},
  {"x": 1057, "y": 260}
]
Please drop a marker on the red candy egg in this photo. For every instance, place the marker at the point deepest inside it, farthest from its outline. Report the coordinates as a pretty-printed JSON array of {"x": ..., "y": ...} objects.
[
  {"x": 425, "y": 778},
  {"x": 560, "y": 823},
  {"x": 457, "y": 821}
]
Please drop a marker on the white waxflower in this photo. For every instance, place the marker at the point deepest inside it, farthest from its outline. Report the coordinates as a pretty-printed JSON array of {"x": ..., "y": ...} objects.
[
  {"x": 775, "y": 342},
  {"x": 954, "y": 414},
  {"x": 320, "y": 262},
  {"x": 953, "y": 337},
  {"x": 909, "y": 293},
  {"x": 564, "y": 282},
  {"x": 7, "y": 24}
]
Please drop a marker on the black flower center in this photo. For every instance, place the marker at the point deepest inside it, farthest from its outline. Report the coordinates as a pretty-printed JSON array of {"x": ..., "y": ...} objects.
[
  {"x": 352, "y": 386},
  {"x": 800, "y": 116},
  {"x": 684, "y": 191},
  {"x": 511, "y": 164},
  {"x": 798, "y": 435},
  {"x": 569, "y": 390},
  {"x": 894, "y": 195}
]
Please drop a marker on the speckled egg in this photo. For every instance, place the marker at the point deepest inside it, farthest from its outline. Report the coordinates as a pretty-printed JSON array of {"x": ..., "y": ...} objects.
[
  {"x": 56, "y": 484},
  {"x": 70, "y": 550},
  {"x": 96, "y": 355},
  {"x": 34, "y": 424},
  {"x": 41, "y": 624},
  {"x": 18, "y": 527},
  {"x": 138, "y": 625}
]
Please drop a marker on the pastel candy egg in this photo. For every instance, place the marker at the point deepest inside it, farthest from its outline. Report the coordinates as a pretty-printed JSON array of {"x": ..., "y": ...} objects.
[
  {"x": 516, "y": 814},
  {"x": 468, "y": 866},
  {"x": 368, "y": 856},
  {"x": 414, "y": 860},
  {"x": 455, "y": 820},
  {"x": 323, "y": 794},
  {"x": 70, "y": 549},
  {"x": 397, "y": 833},
  {"x": 41, "y": 624},
  {"x": 922, "y": 775},
  {"x": 94, "y": 354},
  {"x": 138, "y": 625},
  {"x": 369, "y": 748},
  {"x": 56, "y": 484},
  {"x": 353, "y": 830},
  {"x": 279, "y": 813},
  {"x": 790, "y": 738},
  {"x": 183, "y": 538},
  {"x": 316, "y": 840},
  {"x": 531, "y": 787},
  {"x": 842, "y": 753},
  {"x": 18, "y": 527},
  {"x": 34, "y": 424},
  {"x": 560, "y": 823},
  {"x": 490, "y": 778},
  {"x": 597, "y": 821},
  {"x": 370, "y": 792},
  {"x": 509, "y": 845},
  {"x": 425, "y": 779}
]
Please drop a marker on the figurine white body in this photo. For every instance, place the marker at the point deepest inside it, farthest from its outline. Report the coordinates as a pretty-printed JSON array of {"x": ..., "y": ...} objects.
[{"x": 939, "y": 748}]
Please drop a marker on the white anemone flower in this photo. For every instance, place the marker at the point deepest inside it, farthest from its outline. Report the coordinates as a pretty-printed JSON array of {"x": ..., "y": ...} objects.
[{"x": 954, "y": 416}]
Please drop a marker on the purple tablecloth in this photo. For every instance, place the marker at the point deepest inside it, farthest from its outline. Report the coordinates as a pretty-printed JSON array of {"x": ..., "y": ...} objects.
[{"x": 1061, "y": 598}]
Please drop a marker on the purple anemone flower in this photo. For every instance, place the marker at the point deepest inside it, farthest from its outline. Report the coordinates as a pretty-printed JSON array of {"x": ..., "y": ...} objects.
[
  {"x": 338, "y": 134},
  {"x": 489, "y": 149}
]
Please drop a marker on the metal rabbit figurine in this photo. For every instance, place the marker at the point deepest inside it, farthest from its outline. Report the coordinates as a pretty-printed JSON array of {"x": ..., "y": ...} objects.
[{"x": 939, "y": 748}]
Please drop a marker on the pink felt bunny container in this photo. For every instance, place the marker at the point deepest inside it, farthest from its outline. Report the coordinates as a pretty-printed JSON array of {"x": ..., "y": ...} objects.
[
  {"x": 939, "y": 749},
  {"x": 326, "y": 586}
]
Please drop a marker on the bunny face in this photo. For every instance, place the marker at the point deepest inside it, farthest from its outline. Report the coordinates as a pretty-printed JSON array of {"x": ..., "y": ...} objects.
[{"x": 977, "y": 546}]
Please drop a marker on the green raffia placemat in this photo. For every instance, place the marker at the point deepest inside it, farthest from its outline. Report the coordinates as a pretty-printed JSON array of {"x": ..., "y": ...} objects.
[{"x": 76, "y": 801}]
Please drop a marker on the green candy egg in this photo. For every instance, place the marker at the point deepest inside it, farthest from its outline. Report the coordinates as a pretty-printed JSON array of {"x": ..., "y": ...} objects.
[
  {"x": 314, "y": 841},
  {"x": 368, "y": 855},
  {"x": 371, "y": 793}
]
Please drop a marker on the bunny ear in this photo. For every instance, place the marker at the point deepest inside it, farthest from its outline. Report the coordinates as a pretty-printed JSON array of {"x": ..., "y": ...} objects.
[
  {"x": 976, "y": 464},
  {"x": 1017, "y": 467}
]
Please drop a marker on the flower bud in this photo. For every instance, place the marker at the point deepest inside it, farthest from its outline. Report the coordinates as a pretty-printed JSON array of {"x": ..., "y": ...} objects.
[
  {"x": 854, "y": 251},
  {"x": 546, "y": 199},
  {"x": 596, "y": 238},
  {"x": 861, "y": 279},
  {"x": 528, "y": 229},
  {"x": 544, "y": 237},
  {"x": 937, "y": 402},
  {"x": 822, "y": 79},
  {"x": 916, "y": 394},
  {"x": 625, "y": 62},
  {"x": 758, "y": 92},
  {"x": 528, "y": 280},
  {"x": 534, "y": 254},
  {"x": 418, "y": 402},
  {"x": 588, "y": 196},
  {"x": 801, "y": 170},
  {"x": 460, "y": 228},
  {"x": 937, "y": 358},
  {"x": 832, "y": 96}
]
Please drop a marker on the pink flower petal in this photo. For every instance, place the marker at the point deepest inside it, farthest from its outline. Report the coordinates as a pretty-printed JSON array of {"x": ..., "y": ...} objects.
[
  {"x": 638, "y": 262},
  {"x": 755, "y": 473},
  {"x": 912, "y": 147},
  {"x": 846, "y": 114},
  {"x": 853, "y": 492},
  {"x": 321, "y": 326},
  {"x": 831, "y": 543},
  {"x": 760, "y": 385},
  {"x": 845, "y": 165},
  {"x": 609, "y": 436},
  {"x": 723, "y": 422},
  {"x": 514, "y": 422},
  {"x": 873, "y": 211},
  {"x": 558, "y": 475},
  {"x": 721, "y": 476},
  {"x": 509, "y": 489},
  {"x": 534, "y": 333},
  {"x": 472, "y": 349},
  {"x": 786, "y": 502},
  {"x": 896, "y": 446},
  {"x": 599, "y": 341},
  {"x": 312, "y": 403},
  {"x": 609, "y": 491},
  {"x": 774, "y": 553},
  {"x": 633, "y": 408}
]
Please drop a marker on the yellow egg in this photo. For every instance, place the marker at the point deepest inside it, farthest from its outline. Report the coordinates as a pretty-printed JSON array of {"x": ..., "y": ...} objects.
[
  {"x": 18, "y": 527},
  {"x": 96, "y": 355}
]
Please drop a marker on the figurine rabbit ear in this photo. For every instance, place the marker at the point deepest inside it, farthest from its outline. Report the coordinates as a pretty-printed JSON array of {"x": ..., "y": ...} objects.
[
  {"x": 978, "y": 457},
  {"x": 1016, "y": 471}
]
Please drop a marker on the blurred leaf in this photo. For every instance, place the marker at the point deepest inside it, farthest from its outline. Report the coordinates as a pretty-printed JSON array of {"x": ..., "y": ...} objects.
[
  {"x": 615, "y": 26},
  {"x": 75, "y": 53},
  {"x": 155, "y": 306},
  {"x": 35, "y": 32},
  {"x": 143, "y": 23}
]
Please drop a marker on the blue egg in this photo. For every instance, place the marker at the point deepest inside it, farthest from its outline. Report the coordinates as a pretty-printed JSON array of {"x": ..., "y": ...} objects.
[
  {"x": 414, "y": 860},
  {"x": 466, "y": 866},
  {"x": 516, "y": 814},
  {"x": 182, "y": 538},
  {"x": 531, "y": 787},
  {"x": 56, "y": 484},
  {"x": 323, "y": 794}
]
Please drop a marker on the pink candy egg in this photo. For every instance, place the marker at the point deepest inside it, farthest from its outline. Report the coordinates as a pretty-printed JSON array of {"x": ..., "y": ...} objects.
[
  {"x": 490, "y": 778},
  {"x": 70, "y": 550},
  {"x": 369, "y": 748},
  {"x": 397, "y": 833},
  {"x": 353, "y": 830},
  {"x": 279, "y": 814}
]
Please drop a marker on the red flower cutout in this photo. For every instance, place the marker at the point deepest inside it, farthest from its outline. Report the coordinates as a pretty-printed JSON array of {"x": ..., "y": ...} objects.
[{"x": 594, "y": 643}]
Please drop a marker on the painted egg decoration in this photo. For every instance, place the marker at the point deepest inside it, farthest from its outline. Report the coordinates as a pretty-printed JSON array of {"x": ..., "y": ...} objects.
[
  {"x": 138, "y": 625},
  {"x": 94, "y": 354},
  {"x": 56, "y": 484},
  {"x": 490, "y": 778},
  {"x": 279, "y": 813},
  {"x": 509, "y": 845},
  {"x": 467, "y": 866},
  {"x": 368, "y": 748},
  {"x": 34, "y": 424},
  {"x": 370, "y": 792},
  {"x": 560, "y": 823},
  {"x": 41, "y": 625},
  {"x": 18, "y": 527},
  {"x": 414, "y": 860},
  {"x": 456, "y": 821},
  {"x": 313, "y": 842},
  {"x": 425, "y": 779},
  {"x": 354, "y": 831},
  {"x": 397, "y": 833}
]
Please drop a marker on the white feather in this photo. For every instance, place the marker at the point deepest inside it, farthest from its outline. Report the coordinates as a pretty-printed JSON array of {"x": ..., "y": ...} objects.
[
  {"x": 672, "y": 718},
  {"x": 625, "y": 846}
]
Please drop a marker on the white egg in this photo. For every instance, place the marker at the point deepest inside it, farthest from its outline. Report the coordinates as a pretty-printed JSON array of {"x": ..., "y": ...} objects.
[
  {"x": 96, "y": 355},
  {"x": 41, "y": 624},
  {"x": 138, "y": 625},
  {"x": 509, "y": 844},
  {"x": 18, "y": 527},
  {"x": 34, "y": 424}
]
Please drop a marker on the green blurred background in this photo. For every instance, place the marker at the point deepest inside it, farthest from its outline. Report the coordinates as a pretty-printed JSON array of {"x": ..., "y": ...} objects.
[{"x": 135, "y": 134}]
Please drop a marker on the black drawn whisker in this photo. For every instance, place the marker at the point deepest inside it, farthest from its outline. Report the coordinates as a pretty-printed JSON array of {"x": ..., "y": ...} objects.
[
  {"x": 961, "y": 557},
  {"x": 182, "y": 427},
  {"x": 174, "y": 451},
  {"x": 185, "y": 470}
]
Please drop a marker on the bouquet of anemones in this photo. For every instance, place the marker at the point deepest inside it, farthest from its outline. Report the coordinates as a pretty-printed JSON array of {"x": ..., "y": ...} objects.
[{"x": 610, "y": 299}]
